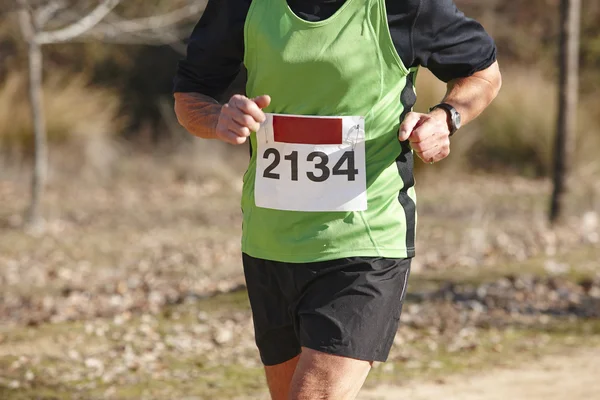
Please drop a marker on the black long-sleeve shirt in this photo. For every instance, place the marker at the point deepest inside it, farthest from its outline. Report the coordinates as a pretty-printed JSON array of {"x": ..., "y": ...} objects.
[{"x": 429, "y": 33}]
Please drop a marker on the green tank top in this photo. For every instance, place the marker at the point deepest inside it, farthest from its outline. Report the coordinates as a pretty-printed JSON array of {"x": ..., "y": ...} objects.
[{"x": 343, "y": 66}]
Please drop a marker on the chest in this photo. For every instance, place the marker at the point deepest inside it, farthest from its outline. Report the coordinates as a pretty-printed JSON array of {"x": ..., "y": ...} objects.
[
  {"x": 315, "y": 10},
  {"x": 335, "y": 62}
]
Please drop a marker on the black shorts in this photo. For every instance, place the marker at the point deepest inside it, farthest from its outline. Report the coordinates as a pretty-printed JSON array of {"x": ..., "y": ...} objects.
[{"x": 348, "y": 307}]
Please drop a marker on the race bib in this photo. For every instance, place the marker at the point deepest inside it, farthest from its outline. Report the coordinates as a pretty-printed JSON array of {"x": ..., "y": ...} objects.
[{"x": 311, "y": 163}]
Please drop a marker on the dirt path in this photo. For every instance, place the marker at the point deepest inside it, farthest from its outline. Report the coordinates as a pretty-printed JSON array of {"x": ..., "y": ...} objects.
[{"x": 575, "y": 377}]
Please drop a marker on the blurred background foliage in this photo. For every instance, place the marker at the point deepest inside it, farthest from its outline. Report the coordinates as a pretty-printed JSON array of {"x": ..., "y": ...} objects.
[{"x": 124, "y": 91}]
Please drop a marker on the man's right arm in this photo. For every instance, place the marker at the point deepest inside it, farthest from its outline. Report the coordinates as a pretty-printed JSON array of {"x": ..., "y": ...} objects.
[
  {"x": 232, "y": 123},
  {"x": 214, "y": 58},
  {"x": 198, "y": 113}
]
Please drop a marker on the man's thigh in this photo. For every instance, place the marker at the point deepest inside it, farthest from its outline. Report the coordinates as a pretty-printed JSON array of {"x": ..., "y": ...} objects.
[
  {"x": 351, "y": 307},
  {"x": 341, "y": 314},
  {"x": 347, "y": 307},
  {"x": 325, "y": 376}
]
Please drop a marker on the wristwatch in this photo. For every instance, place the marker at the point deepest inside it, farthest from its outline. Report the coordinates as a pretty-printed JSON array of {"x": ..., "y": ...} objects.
[{"x": 454, "y": 120}]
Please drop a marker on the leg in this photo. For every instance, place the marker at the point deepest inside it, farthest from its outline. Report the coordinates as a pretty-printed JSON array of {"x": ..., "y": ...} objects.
[
  {"x": 279, "y": 378},
  {"x": 324, "y": 376},
  {"x": 270, "y": 287},
  {"x": 346, "y": 317}
]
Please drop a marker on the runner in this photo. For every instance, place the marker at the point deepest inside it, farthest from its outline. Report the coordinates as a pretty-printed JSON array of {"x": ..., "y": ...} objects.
[{"x": 328, "y": 199}]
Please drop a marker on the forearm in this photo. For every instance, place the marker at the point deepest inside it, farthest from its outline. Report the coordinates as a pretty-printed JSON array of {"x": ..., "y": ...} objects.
[
  {"x": 197, "y": 113},
  {"x": 470, "y": 96}
]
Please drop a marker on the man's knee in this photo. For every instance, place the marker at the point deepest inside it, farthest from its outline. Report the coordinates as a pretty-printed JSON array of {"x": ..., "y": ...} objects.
[
  {"x": 279, "y": 378},
  {"x": 325, "y": 376}
]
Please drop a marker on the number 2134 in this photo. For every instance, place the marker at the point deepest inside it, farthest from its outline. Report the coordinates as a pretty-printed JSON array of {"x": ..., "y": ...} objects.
[{"x": 345, "y": 165}]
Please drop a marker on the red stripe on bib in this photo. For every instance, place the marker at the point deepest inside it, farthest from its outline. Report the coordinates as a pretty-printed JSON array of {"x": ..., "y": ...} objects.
[{"x": 306, "y": 130}]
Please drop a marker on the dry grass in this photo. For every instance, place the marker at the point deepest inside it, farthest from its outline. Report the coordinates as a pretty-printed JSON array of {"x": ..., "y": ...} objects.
[
  {"x": 81, "y": 119},
  {"x": 176, "y": 354},
  {"x": 173, "y": 223},
  {"x": 516, "y": 133}
]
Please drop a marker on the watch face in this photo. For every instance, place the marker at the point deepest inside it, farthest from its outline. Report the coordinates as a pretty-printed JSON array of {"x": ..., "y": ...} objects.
[{"x": 456, "y": 120}]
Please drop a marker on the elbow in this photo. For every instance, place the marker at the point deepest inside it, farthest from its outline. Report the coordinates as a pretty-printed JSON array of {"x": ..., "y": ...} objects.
[
  {"x": 497, "y": 84},
  {"x": 496, "y": 80},
  {"x": 177, "y": 109},
  {"x": 197, "y": 113},
  {"x": 181, "y": 112}
]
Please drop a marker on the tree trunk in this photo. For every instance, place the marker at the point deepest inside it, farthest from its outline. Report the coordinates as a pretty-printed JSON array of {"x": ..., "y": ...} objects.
[
  {"x": 564, "y": 146},
  {"x": 40, "y": 168}
]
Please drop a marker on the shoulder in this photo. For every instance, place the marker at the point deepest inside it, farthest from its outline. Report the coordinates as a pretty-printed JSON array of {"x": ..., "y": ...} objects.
[
  {"x": 448, "y": 42},
  {"x": 225, "y": 11},
  {"x": 436, "y": 14},
  {"x": 407, "y": 9}
]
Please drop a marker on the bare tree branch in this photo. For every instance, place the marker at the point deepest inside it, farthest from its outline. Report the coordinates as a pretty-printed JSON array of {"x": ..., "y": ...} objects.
[
  {"x": 46, "y": 13},
  {"x": 35, "y": 14},
  {"x": 167, "y": 34},
  {"x": 134, "y": 40},
  {"x": 80, "y": 27},
  {"x": 14, "y": 5},
  {"x": 162, "y": 29},
  {"x": 157, "y": 22},
  {"x": 26, "y": 23}
]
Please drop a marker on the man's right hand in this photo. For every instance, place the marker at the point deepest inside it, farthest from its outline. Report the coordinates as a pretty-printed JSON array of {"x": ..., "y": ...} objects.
[{"x": 240, "y": 117}]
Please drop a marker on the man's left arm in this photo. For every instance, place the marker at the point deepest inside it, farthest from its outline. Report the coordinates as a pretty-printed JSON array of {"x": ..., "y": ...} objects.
[
  {"x": 429, "y": 134},
  {"x": 459, "y": 51}
]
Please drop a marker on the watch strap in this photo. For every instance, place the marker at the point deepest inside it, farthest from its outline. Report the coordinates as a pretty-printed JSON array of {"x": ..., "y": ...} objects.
[{"x": 453, "y": 116}]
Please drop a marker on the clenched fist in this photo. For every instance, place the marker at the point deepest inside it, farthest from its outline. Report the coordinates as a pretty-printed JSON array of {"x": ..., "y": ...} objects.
[
  {"x": 240, "y": 117},
  {"x": 428, "y": 134}
]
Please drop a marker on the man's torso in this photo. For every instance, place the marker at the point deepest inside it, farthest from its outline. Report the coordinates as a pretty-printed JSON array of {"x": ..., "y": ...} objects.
[{"x": 342, "y": 66}]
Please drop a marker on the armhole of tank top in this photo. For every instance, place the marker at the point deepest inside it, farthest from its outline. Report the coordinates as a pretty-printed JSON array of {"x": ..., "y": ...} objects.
[
  {"x": 247, "y": 49},
  {"x": 389, "y": 40}
]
